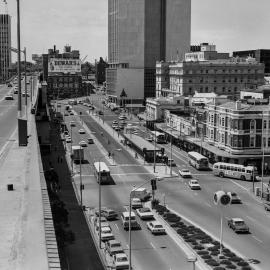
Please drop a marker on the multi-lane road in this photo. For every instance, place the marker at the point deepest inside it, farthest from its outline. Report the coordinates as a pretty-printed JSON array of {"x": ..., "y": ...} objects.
[{"x": 197, "y": 206}]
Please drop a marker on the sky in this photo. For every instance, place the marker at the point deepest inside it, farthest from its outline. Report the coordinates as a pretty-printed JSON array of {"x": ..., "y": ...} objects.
[{"x": 230, "y": 24}]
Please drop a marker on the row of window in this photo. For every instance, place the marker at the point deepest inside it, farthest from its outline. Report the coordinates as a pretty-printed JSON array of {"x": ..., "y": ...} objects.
[{"x": 216, "y": 71}]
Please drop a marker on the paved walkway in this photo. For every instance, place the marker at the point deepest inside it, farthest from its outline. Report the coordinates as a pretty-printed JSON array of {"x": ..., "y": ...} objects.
[{"x": 82, "y": 253}]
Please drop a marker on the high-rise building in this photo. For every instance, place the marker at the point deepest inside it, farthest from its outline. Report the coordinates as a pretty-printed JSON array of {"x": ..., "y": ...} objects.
[
  {"x": 261, "y": 55},
  {"x": 5, "y": 44},
  {"x": 142, "y": 32}
]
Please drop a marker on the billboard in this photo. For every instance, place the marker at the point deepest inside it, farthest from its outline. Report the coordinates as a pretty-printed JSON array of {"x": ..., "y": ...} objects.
[{"x": 56, "y": 65}]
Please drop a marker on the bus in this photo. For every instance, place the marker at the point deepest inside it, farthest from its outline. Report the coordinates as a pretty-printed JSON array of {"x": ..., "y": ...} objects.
[
  {"x": 159, "y": 137},
  {"x": 198, "y": 161},
  {"x": 102, "y": 171},
  {"x": 237, "y": 171}
]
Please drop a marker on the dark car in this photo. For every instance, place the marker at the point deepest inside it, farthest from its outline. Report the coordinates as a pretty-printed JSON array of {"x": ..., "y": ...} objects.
[
  {"x": 266, "y": 206},
  {"x": 234, "y": 198},
  {"x": 238, "y": 225},
  {"x": 100, "y": 112}
]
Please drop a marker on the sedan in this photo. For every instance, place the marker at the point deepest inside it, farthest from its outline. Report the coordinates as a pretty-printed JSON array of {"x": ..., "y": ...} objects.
[
  {"x": 234, "y": 198},
  {"x": 81, "y": 131},
  {"x": 136, "y": 203},
  {"x": 83, "y": 144},
  {"x": 106, "y": 234},
  {"x": 9, "y": 97},
  {"x": 193, "y": 184},
  {"x": 145, "y": 213},
  {"x": 155, "y": 227},
  {"x": 120, "y": 261},
  {"x": 185, "y": 173},
  {"x": 113, "y": 247},
  {"x": 238, "y": 225}
]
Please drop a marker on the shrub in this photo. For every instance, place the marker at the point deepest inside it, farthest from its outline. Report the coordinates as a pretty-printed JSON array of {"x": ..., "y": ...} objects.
[
  {"x": 214, "y": 248},
  {"x": 246, "y": 268},
  {"x": 216, "y": 243},
  {"x": 212, "y": 262},
  {"x": 231, "y": 266},
  {"x": 169, "y": 215},
  {"x": 226, "y": 250},
  {"x": 181, "y": 231},
  {"x": 230, "y": 254},
  {"x": 174, "y": 225},
  {"x": 173, "y": 219},
  {"x": 219, "y": 268},
  {"x": 198, "y": 247},
  {"x": 204, "y": 241},
  {"x": 242, "y": 263},
  {"x": 206, "y": 257},
  {"x": 203, "y": 252},
  {"x": 226, "y": 262},
  {"x": 235, "y": 259},
  {"x": 215, "y": 253}
]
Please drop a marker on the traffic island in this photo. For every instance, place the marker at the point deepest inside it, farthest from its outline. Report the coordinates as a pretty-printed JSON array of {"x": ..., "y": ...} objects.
[{"x": 207, "y": 248}]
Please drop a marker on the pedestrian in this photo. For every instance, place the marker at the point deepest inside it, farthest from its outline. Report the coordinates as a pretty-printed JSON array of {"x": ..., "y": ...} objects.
[
  {"x": 109, "y": 154},
  {"x": 61, "y": 159},
  {"x": 136, "y": 155},
  {"x": 58, "y": 158}
]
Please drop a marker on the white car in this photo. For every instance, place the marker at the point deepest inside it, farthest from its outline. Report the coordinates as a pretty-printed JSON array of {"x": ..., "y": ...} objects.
[
  {"x": 72, "y": 124},
  {"x": 136, "y": 203},
  {"x": 155, "y": 227},
  {"x": 145, "y": 213},
  {"x": 185, "y": 173},
  {"x": 81, "y": 131},
  {"x": 106, "y": 234},
  {"x": 114, "y": 126},
  {"x": 9, "y": 97},
  {"x": 68, "y": 139},
  {"x": 83, "y": 144},
  {"x": 120, "y": 261},
  {"x": 194, "y": 184}
]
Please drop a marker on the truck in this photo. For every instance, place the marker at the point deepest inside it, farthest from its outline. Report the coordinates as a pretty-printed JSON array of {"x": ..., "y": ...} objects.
[
  {"x": 141, "y": 193},
  {"x": 77, "y": 154}
]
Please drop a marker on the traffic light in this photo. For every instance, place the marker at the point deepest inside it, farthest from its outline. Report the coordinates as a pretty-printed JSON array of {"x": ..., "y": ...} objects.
[{"x": 154, "y": 184}]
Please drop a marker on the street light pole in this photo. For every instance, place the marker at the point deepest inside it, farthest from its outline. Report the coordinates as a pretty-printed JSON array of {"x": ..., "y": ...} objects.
[
  {"x": 25, "y": 85},
  {"x": 263, "y": 139},
  {"x": 81, "y": 176},
  {"x": 155, "y": 149},
  {"x": 71, "y": 149},
  {"x": 99, "y": 202},
  {"x": 171, "y": 156}
]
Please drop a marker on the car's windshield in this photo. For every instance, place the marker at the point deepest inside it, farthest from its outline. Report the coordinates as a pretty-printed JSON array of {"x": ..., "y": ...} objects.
[
  {"x": 122, "y": 259},
  {"x": 239, "y": 223},
  {"x": 116, "y": 245},
  {"x": 184, "y": 170},
  {"x": 158, "y": 226}
]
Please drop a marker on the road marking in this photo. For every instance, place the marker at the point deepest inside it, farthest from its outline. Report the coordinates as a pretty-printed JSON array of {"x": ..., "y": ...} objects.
[
  {"x": 195, "y": 193},
  {"x": 152, "y": 245},
  {"x": 252, "y": 219},
  {"x": 208, "y": 204},
  {"x": 246, "y": 189},
  {"x": 257, "y": 239},
  {"x": 116, "y": 226}
]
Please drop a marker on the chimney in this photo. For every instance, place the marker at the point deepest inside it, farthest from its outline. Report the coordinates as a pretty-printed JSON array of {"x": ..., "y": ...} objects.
[{"x": 238, "y": 105}]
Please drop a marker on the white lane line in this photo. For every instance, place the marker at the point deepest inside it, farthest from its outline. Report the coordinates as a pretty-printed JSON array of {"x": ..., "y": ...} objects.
[
  {"x": 252, "y": 219},
  {"x": 195, "y": 193},
  {"x": 116, "y": 227},
  {"x": 257, "y": 239},
  {"x": 246, "y": 189},
  {"x": 208, "y": 204},
  {"x": 152, "y": 245}
]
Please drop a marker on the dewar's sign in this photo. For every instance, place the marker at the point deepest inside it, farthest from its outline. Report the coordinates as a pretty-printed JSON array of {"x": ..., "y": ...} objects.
[{"x": 64, "y": 65}]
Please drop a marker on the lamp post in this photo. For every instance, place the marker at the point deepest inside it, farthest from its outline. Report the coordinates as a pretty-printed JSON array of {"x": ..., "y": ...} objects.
[
  {"x": 71, "y": 148},
  {"x": 81, "y": 186},
  {"x": 155, "y": 146}
]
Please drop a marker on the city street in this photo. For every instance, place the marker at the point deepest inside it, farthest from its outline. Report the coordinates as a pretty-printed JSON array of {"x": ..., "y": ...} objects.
[{"x": 198, "y": 206}]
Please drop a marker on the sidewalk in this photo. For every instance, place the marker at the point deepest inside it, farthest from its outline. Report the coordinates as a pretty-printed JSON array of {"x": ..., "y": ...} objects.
[
  {"x": 82, "y": 253},
  {"x": 23, "y": 225}
]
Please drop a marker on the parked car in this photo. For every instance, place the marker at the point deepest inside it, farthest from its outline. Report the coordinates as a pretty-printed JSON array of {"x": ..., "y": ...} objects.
[
  {"x": 81, "y": 131},
  {"x": 136, "y": 203},
  {"x": 266, "y": 206},
  {"x": 120, "y": 261},
  {"x": 106, "y": 234},
  {"x": 171, "y": 162},
  {"x": 109, "y": 214},
  {"x": 145, "y": 213},
  {"x": 238, "y": 225},
  {"x": 156, "y": 227},
  {"x": 185, "y": 173},
  {"x": 9, "y": 97},
  {"x": 68, "y": 139},
  {"x": 194, "y": 184},
  {"x": 234, "y": 198},
  {"x": 149, "y": 139},
  {"x": 113, "y": 247},
  {"x": 83, "y": 144},
  {"x": 72, "y": 124}
]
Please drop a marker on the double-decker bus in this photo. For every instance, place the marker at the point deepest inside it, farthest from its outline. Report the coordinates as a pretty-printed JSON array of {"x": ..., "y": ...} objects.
[
  {"x": 102, "y": 172},
  {"x": 198, "y": 161},
  {"x": 159, "y": 137},
  {"x": 236, "y": 171}
]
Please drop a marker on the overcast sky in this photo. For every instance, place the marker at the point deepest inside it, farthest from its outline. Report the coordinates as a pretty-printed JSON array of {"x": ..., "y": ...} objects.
[{"x": 230, "y": 24}]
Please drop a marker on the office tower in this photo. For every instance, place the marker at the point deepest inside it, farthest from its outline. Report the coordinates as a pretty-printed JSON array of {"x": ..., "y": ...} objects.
[
  {"x": 142, "y": 32},
  {"x": 5, "y": 44}
]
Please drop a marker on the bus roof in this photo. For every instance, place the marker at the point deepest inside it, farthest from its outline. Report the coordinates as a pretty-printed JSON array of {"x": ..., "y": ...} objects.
[
  {"x": 142, "y": 143},
  {"x": 102, "y": 166},
  {"x": 196, "y": 155}
]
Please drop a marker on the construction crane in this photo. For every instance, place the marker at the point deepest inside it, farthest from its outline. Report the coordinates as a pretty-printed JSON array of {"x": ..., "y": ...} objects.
[{"x": 82, "y": 61}]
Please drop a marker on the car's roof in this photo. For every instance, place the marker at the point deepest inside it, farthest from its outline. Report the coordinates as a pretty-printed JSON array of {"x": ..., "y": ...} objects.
[
  {"x": 113, "y": 242},
  {"x": 237, "y": 219},
  {"x": 120, "y": 255},
  {"x": 156, "y": 222}
]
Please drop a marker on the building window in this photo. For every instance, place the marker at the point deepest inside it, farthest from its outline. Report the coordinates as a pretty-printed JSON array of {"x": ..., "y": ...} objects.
[
  {"x": 206, "y": 89},
  {"x": 223, "y": 121},
  {"x": 235, "y": 79},
  {"x": 235, "y": 89},
  {"x": 252, "y": 141},
  {"x": 264, "y": 142},
  {"x": 269, "y": 142},
  {"x": 206, "y": 71},
  {"x": 222, "y": 138},
  {"x": 252, "y": 125},
  {"x": 264, "y": 124},
  {"x": 223, "y": 89},
  {"x": 215, "y": 88}
]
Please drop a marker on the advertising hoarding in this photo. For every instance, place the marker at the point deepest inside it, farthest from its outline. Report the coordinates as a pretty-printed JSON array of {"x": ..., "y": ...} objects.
[{"x": 59, "y": 65}]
